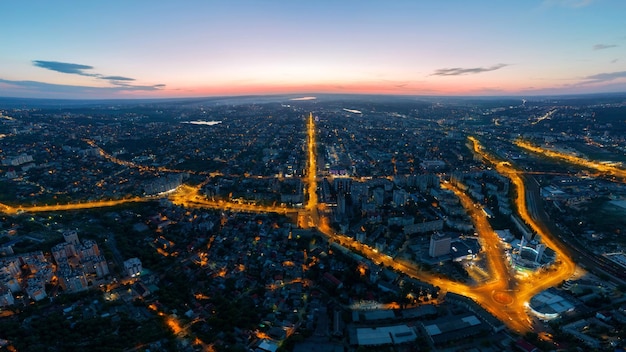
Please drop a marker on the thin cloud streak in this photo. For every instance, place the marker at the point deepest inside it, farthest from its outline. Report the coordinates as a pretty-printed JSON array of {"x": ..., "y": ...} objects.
[
  {"x": 51, "y": 90},
  {"x": 610, "y": 82},
  {"x": 117, "y": 78},
  {"x": 79, "y": 69},
  {"x": 605, "y": 77},
  {"x": 603, "y": 46},
  {"x": 65, "y": 67},
  {"x": 457, "y": 71}
]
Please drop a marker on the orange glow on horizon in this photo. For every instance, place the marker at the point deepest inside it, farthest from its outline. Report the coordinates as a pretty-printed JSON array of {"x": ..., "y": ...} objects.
[{"x": 442, "y": 87}]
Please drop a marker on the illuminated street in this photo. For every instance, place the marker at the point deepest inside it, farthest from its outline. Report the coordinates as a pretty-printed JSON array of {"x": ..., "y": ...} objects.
[
  {"x": 491, "y": 243},
  {"x": 187, "y": 196},
  {"x": 502, "y": 294},
  {"x": 130, "y": 164},
  {"x": 566, "y": 266},
  {"x": 311, "y": 177},
  {"x": 539, "y": 281},
  {"x": 70, "y": 206},
  {"x": 605, "y": 168}
]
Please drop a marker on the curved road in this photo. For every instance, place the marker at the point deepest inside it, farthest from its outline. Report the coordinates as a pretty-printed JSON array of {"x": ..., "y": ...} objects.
[{"x": 496, "y": 295}]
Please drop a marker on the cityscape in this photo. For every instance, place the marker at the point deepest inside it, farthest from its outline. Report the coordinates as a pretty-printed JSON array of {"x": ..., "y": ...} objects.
[
  {"x": 313, "y": 223},
  {"x": 313, "y": 176}
]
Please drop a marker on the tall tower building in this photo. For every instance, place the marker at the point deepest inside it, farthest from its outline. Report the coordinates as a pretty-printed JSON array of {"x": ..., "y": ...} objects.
[
  {"x": 342, "y": 184},
  {"x": 341, "y": 203},
  {"x": 71, "y": 236},
  {"x": 439, "y": 245},
  {"x": 540, "y": 248},
  {"x": 133, "y": 267}
]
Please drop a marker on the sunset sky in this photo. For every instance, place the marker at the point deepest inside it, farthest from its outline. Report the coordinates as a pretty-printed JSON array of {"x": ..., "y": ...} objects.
[{"x": 127, "y": 49}]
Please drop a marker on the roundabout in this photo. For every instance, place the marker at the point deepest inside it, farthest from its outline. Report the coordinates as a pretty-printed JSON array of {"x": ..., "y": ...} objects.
[{"x": 503, "y": 298}]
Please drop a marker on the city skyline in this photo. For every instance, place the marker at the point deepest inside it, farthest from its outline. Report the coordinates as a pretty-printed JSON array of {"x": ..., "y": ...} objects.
[
  {"x": 162, "y": 50},
  {"x": 444, "y": 223}
]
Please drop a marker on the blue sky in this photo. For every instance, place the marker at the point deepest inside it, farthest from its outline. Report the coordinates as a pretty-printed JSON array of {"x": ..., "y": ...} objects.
[{"x": 126, "y": 49}]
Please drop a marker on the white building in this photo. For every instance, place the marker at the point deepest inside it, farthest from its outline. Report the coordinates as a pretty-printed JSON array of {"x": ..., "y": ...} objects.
[
  {"x": 71, "y": 236},
  {"x": 439, "y": 245},
  {"x": 133, "y": 267}
]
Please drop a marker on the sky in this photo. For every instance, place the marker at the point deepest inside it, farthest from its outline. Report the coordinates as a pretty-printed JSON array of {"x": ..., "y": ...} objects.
[{"x": 157, "y": 49}]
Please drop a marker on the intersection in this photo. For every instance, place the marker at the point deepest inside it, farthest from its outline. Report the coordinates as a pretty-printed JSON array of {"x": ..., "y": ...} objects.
[{"x": 503, "y": 294}]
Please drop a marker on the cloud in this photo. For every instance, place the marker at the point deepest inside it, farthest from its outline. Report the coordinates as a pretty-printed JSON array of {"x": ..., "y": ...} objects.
[
  {"x": 79, "y": 69},
  {"x": 457, "y": 71},
  {"x": 65, "y": 67},
  {"x": 38, "y": 89},
  {"x": 603, "y": 46},
  {"x": 598, "y": 83},
  {"x": 605, "y": 77},
  {"x": 125, "y": 86},
  {"x": 116, "y": 78}
]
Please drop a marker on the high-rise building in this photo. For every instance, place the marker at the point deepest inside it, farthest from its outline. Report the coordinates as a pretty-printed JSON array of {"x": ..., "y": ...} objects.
[
  {"x": 439, "y": 245},
  {"x": 71, "y": 236},
  {"x": 360, "y": 236},
  {"x": 88, "y": 249},
  {"x": 133, "y": 267},
  {"x": 62, "y": 251},
  {"x": 400, "y": 197},
  {"x": 342, "y": 185},
  {"x": 341, "y": 203},
  {"x": 6, "y": 296},
  {"x": 73, "y": 281},
  {"x": 540, "y": 249}
]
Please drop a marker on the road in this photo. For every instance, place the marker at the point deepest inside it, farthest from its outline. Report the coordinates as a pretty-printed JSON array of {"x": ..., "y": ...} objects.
[
  {"x": 503, "y": 295},
  {"x": 577, "y": 249},
  {"x": 133, "y": 165},
  {"x": 70, "y": 206},
  {"x": 604, "y": 168},
  {"x": 190, "y": 197},
  {"x": 596, "y": 263}
]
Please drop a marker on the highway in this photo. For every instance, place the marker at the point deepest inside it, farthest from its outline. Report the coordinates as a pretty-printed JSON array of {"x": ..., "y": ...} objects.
[
  {"x": 70, "y": 206},
  {"x": 503, "y": 295},
  {"x": 578, "y": 250},
  {"x": 190, "y": 197},
  {"x": 582, "y": 254},
  {"x": 506, "y": 169},
  {"x": 604, "y": 168}
]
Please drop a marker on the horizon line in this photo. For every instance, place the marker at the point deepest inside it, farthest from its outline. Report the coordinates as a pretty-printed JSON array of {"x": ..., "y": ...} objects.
[{"x": 315, "y": 95}]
